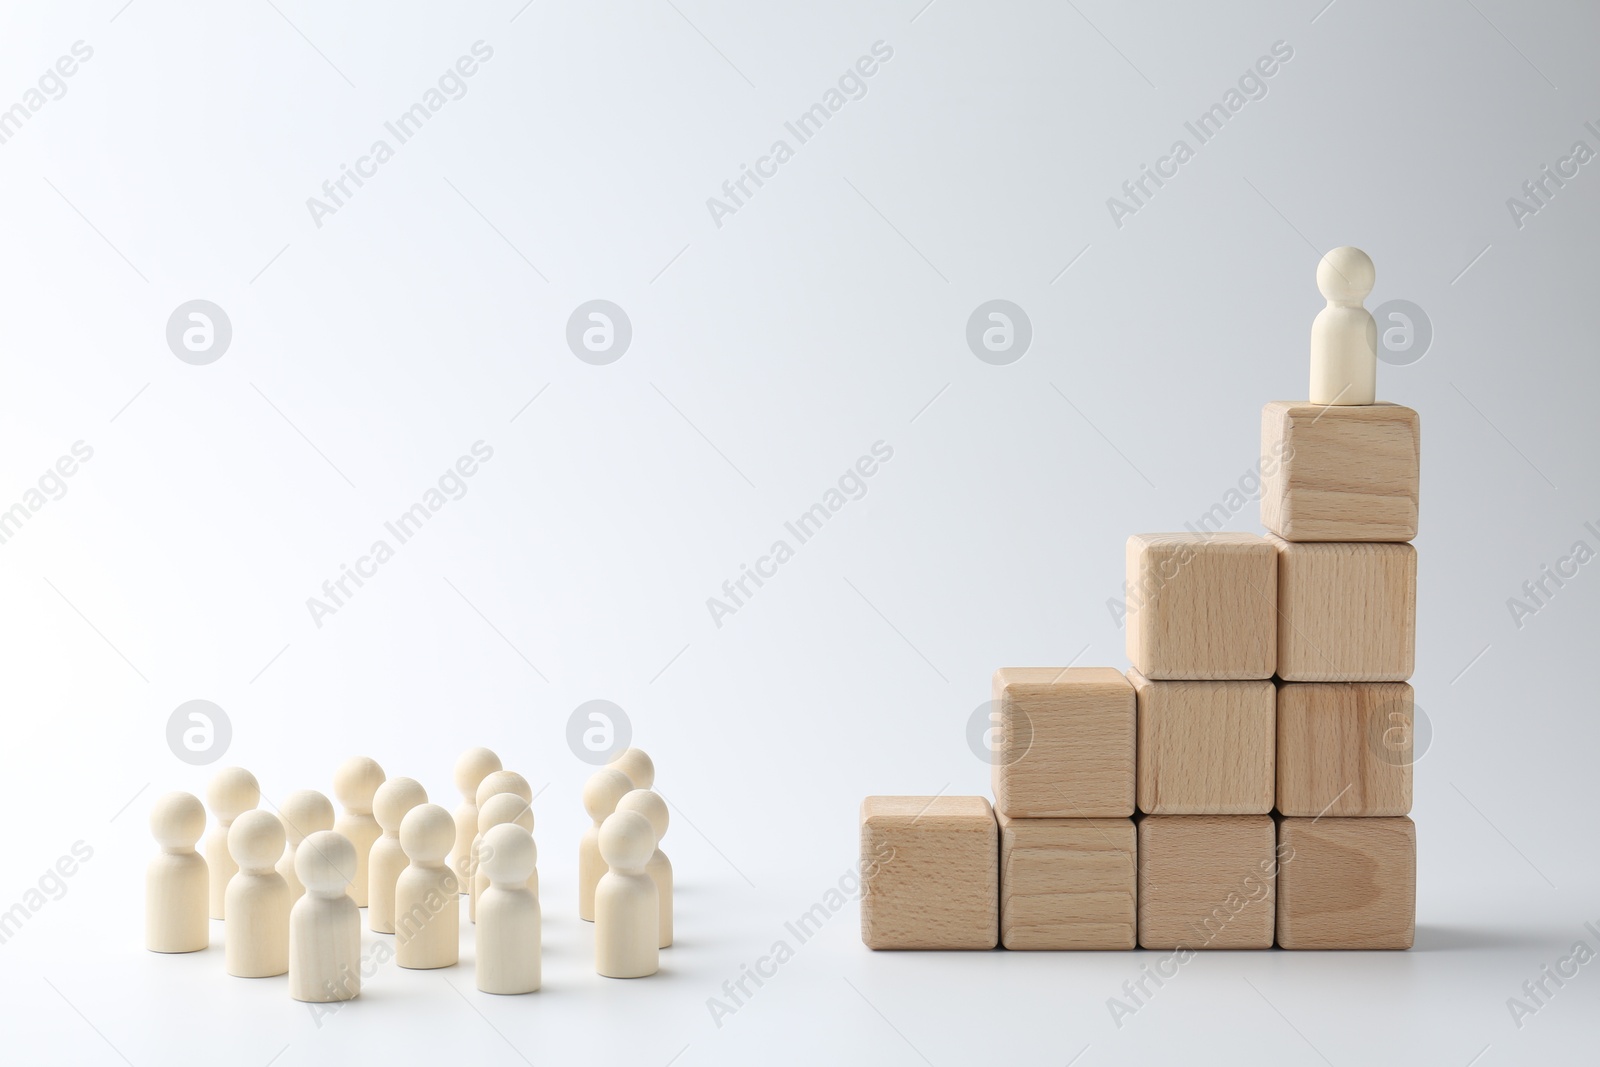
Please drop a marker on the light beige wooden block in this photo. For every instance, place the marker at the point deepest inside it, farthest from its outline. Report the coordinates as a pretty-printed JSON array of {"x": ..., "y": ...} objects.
[
  {"x": 1205, "y": 748},
  {"x": 1066, "y": 742},
  {"x": 1346, "y": 612},
  {"x": 1344, "y": 748},
  {"x": 1206, "y": 881},
  {"x": 1347, "y": 883},
  {"x": 930, "y": 873},
  {"x": 1339, "y": 473},
  {"x": 1202, "y": 606},
  {"x": 1067, "y": 883}
]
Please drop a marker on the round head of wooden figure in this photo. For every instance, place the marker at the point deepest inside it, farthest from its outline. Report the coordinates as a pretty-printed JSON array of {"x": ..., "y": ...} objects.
[
  {"x": 651, "y": 806},
  {"x": 472, "y": 767},
  {"x": 508, "y": 855},
  {"x": 325, "y": 863},
  {"x": 1345, "y": 275},
  {"x": 426, "y": 834},
  {"x": 393, "y": 799},
  {"x": 638, "y": 766},
  {"x": 231, "y": 792},
  {"x": 626, "y": 841},
  {"x": 602, "y": 791},
  {"x": 355, "y": 782},
  {"x": 304, "y": 812},
  {"x": 504, "y": 782},
  {"x": 255, "y": 840},
  {"x": 177, "y": 820},
  {"x": 505, "y": 808}
]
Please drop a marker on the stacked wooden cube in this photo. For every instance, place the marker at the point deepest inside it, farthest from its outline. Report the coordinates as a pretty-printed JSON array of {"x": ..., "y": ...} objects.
[{"x": 1246, "y": 783}]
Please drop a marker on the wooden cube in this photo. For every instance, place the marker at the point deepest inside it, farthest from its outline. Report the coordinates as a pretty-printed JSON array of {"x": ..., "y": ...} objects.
[
  {"x": 1347, "y": 883},
  {"x": 930, "y": 873},
  {"x": 1205, "y": 748},
  {"x": 1339, "y": 473},
  {"x": 1066, "y": 743},
  {"x": 1344, "y": 748},
  {"x": 1346, "y": 612},
  {"x": 1202, "y": 606},
  {"x": 1067, "y": 883},
  {"x": 1206, "y": 881}
]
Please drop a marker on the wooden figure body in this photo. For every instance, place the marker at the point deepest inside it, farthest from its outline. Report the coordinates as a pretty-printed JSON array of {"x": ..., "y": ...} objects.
[
  {"x": 1344, "y": 338},
  {"x": 427, "y": 902},
  {"x": 325, "y": 925},
  {"x": 355, "y": 782},
  {"x": 600, "y": 795},
  {"x": 257, "y": 937},
  {"x": 493, "y": 785},
  {"x": 508, "y": 936},
  {"x": 654, "y": 808},
  {"x": 231, "y": 792},
  {"x": 303, "y": 812},
  {"x": 498, "y": 810},
  {"x": 626, "y": 934},
  {"x": 393, "y": 800},
  {"x": 472, "y": 767},
  {"x": 177, "y": 881}
]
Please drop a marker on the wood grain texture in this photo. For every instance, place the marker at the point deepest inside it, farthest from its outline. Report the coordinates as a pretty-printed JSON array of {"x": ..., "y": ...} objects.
[
  {"x": 1201, "y": 606},
  {"x": 1066, "y": 743},
  {"x": 1346, "y": 612},
  {"x": 1344, "y": 749},
  {"x": 1206, "y": 881},
  {"x": 1347, "y": 883},
  {"x": 930, "y": 873},
  {"x": 1205, "y": 748},
  {"x": 1340, "y": 473},
  {"x": 1067, "y": 883}
]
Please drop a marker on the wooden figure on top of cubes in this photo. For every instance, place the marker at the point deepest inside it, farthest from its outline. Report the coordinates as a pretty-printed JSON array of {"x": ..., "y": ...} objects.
[
  {"x": 472, "y": 767},
  {"x": 325, "y": 925},
  {"x": 177, "y": 881},
  {"x": 355, "y": 782},
  {"x": 1344, "y": 338},
  {"x": 508, "y": 936},
  {"x": 257, "y": 938},
  {"x": 654, "y": 808},
  {"x": 492, "y": 786},
  {"x": 498, "y": 810},
  {"x": 303, "y": 812},
  {"x": 390, "y": 803},
  {"x": 627, "y": 935},
  {"x": 231, "y": 792},
  {"x": 600, "y": 795},
  {"x": 427, "y": 902}
]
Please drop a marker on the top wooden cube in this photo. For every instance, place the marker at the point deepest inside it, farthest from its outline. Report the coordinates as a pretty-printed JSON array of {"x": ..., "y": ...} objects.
[
  {"x": 1339, "y": 473},
  {"x": 1202, "y": 607}
]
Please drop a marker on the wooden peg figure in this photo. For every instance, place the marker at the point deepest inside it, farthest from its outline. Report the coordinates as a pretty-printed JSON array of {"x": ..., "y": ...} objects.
[
  {"x": 355, "y": 782},
  {"x": 508, "y": 936},
  {"x": 498, "y": 810},
  {"x": 654, "y": 808},
  {"x": 600, "y": 795},
  {"x": 472, "y": 767},
  {"x": 626, "y": 937},
  {"x": 325, "y": 925},
  {"x": 493, "y": 784},
  {"x": 427, "y": 902},
  {"x": 638, "y": 766},
  {"x": 303, "y": 812},
  {"x": 177, "y": 904},
  {"x": 387, "y": 859},
  {"x": 231, "y": 792},
  {"x": 257, "y": 937},
  {"x": 1344, "y": 338}
]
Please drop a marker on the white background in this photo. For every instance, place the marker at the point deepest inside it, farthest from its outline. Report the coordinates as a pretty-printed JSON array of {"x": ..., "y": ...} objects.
[{"x": 826, "y": 314}]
